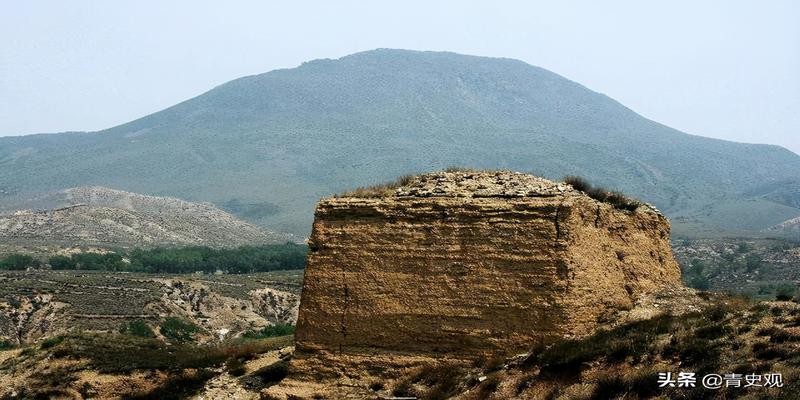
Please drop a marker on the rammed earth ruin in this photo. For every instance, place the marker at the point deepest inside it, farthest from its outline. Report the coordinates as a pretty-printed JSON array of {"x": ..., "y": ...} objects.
[{"x": 465, "y": 264}]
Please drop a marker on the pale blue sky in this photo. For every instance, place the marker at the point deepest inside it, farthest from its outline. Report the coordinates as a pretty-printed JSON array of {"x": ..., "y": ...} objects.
[{"x": 726, "y": 69}]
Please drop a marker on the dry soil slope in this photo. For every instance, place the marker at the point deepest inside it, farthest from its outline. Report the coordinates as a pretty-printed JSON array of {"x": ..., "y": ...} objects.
[{"x": 101, "y": 216}]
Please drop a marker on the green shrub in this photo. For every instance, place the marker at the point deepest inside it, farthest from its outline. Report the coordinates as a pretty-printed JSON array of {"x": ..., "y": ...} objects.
[
  {"x": 271, "y": 331},
  {"x": 5, "y": 345},
  {"x": 18, "y": 262},
  {"x": 785, "y": 292},
  {"x": 752, "y": 262},
  {"x": 244, "y": 259},
  {"x": 743, "y": 248},
  {"x": 695, "y": 277},
  {"x": 61, "y": 263},
  {"x": 117, "y": 353},
  {"x": 99, "y": 262},
  {"x": 51, "y": 342},
  {"x": 578, "y": 183},
  {"x": 616, "y": 199},
  {"x": 178, "y": 330},
  {"x": 139, "y": 328},
  {"x": 621, "y": 202}
]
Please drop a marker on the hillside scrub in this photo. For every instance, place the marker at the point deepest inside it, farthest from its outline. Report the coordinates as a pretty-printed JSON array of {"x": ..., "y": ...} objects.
[
  {"x": 624, "y": 361},
  {"x": 171, "y": 371},
  {"x": 245, "y": 259},
  {"x": 117, "y": 353},
  {"x": 616, "y": 199}
]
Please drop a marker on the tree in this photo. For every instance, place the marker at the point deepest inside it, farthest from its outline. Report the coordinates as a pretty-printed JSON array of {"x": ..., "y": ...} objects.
[
  {"x": 785, "y": 292},
  {"x": 61, "y": 262},
  {"x": 752, "y": 262},
  {"x": 178, "y": 330},
  {"x": 139, "y": 328},
  {"x": 18, "y": 262},
  {"x": 695, "y": 276}
]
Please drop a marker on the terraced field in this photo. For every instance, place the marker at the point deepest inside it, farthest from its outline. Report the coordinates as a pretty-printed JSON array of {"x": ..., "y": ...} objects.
[
  {"x": 38, "y": 304},
  {"x": 759, "y": 268}
]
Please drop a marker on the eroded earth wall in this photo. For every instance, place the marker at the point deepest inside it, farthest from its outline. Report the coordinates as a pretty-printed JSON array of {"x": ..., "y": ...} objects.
[{"x": 468, "y": 275}]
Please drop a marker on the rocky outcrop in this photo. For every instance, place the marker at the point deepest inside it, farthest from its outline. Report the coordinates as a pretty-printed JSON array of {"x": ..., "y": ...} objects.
[
  {"x": 277, "y": 306},
  {"x": 26, "y": 318},
  {"x": 38, "y": 304},
  {"x": 107, "y": 217},
  {"x": 467, "y": 264},
  {"x": 788, "y": 227}
]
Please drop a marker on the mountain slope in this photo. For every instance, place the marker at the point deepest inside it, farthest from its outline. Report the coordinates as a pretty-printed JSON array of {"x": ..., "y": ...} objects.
[
  {"x": 266, "y": 147},
  {"x": 106, "y": 217}
]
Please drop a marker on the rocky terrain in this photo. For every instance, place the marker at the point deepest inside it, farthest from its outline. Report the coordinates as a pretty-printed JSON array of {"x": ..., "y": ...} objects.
[
  {"x": 789, "y": 228},
  {"x": 706, "y": 334},
  {"x": 35, "y": 305},
  {"x": 462, "y": 284},
  {"x": 98, "y": 216},
  {"x": 753, "y": 267}
]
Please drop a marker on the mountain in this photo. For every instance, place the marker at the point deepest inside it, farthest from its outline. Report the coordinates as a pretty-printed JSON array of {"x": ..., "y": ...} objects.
[
  {"x": 266, "y": 147},
  {"x": 105, "y": 217}
]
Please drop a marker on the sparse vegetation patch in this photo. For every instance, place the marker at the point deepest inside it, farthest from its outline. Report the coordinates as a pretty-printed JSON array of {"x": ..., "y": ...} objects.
[
  {"x": 271, "y": 331},
  {"x": 624, "y": 362},
  {"x": 378, "y": 190},
  {"x": 616, "y": 199}
]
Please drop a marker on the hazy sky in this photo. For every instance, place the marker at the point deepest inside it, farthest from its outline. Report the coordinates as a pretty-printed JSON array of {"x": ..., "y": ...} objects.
[{"x": 726, "y": 69}]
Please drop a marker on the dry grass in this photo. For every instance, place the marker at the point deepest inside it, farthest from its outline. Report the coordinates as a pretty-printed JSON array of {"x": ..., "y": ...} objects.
[
  {"x": 616, "y": 199},
  {"x": 385, "y": 189},
  {"x": 624, "y": 362}
]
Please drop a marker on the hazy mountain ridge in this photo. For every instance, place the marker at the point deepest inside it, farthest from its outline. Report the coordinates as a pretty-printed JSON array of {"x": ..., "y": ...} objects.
[{"x": 278, "y": 141}]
